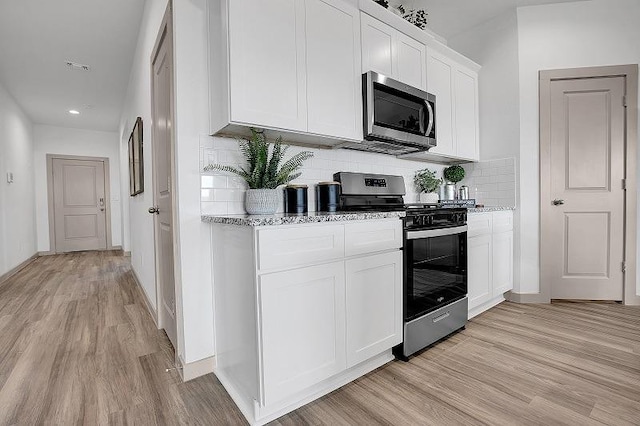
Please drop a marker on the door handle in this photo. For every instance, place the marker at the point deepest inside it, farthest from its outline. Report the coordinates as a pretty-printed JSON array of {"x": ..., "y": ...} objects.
[
  {"x": 155, "y": 210},
  {"x": 558, "y": 202}
]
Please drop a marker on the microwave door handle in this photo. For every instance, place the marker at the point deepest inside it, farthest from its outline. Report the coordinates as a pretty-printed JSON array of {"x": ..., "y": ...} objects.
[{"x": 430, "y": 126}]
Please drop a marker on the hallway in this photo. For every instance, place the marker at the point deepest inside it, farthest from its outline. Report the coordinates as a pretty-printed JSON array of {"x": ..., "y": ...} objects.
[{"x": 78, "y": 346}]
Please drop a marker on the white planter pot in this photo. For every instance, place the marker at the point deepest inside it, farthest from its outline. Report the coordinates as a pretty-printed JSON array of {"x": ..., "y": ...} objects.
[
  {"x": 429, "y": 197},
  {"x": 261, "y": 201}
]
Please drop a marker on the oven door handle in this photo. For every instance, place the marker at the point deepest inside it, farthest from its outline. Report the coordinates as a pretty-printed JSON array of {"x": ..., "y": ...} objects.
[{"x": 414, "y": 235}]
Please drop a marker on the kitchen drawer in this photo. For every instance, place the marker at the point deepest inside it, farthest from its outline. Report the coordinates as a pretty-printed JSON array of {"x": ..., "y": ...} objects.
[
  {"x": 281, "y": 248},
  {"x": 478, "y": 224},
  {"x": 502, "y": 221},
  {"x": 372, "y": 236}
]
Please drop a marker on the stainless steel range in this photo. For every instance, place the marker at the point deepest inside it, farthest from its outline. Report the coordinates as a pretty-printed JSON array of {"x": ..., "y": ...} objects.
[{"x": 435, "y": 257}]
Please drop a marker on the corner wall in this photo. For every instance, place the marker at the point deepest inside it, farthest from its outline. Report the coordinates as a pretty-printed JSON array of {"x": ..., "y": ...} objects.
[
  {"x": 137, "y": 229},
  {"x": 494, "y": 45},
  {"x": 86, "y": 143},
  {"x": 17, "y": 199}
]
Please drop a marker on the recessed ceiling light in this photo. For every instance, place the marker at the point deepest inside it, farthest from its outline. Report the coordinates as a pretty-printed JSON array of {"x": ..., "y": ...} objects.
[{"x": 74, "y": 112}]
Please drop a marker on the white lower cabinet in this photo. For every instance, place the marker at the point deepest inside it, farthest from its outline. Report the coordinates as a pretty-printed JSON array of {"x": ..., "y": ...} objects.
[
  {"x": 502, "y": 265},
  {"x": 490, "y": 259},
  {"x": 374, "y": 304},
  {"x": 479, "y": 269},
  {"x": 303, "y": 328},
  {"x": 288, "y": 332}
]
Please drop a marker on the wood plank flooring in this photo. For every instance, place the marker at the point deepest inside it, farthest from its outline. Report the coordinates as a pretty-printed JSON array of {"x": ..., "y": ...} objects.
[{"x": 78, "y": 347}]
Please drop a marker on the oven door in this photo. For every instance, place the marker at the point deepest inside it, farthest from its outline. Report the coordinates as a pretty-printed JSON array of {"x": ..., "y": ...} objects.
[
  {"x": 398, "y": 112},
  {"x": 435, "y": 269}
]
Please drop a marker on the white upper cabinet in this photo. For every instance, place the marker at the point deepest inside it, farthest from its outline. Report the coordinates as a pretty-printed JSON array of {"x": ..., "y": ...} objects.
[
  {"x": 456, "y": 90},
  {"x": 411, "y": 61},
  {"x": 387, "y": 51},
  {"x": 466, "y": 107},
  {"x": 440, "y": 74},
  {"x": 267, "y": 63},
  {"x": 377, "y": 46},
  {"x": 334, "y": 95},
  {"x": 292, "y": 66}
]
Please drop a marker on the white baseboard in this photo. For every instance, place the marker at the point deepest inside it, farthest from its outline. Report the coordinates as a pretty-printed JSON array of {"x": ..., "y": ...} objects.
[
  {"x": 192, "y": 370},
  {"x": 145, "y": 297},
  {"x": 485, "y": 306},
  {"x": 11, "y": 272}
]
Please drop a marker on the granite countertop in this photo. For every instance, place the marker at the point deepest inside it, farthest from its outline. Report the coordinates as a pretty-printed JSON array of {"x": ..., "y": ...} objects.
[
  {"x": 293, "y": 219},
  {"x": 490, "y": 209}
]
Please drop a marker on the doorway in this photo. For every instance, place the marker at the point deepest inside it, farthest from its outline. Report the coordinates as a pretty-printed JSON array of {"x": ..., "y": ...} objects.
[
  {"x": 163, "y": 172},
  {"x": 79, "y": 208},
  {"x": 588, "y": 137}
]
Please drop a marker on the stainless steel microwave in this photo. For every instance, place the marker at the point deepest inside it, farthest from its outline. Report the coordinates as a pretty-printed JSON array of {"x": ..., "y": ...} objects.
[{"x": 397, "y": 114}]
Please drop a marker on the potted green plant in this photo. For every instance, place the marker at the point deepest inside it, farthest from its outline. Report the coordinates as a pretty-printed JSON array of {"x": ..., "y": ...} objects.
[
  {"x": 452, "y": 175},
  {"x": 265, "y": 171},
  {"x": 427, "y": 184}
]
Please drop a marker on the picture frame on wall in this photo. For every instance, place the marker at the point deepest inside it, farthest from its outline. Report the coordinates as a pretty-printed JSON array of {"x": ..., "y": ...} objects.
[{"x": 136, "y": 163}]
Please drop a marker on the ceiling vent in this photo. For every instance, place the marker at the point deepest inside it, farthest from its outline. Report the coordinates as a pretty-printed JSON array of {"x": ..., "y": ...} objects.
[{"x": 77, "y": 66}]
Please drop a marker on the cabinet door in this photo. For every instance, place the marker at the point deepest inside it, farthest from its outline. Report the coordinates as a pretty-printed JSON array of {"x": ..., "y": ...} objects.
[
  {"x": 440, "y": 83},
  {"x": 374, "y": 305},
  {"x": 466, "y": 117},
  {"x": 377, "y": 46},
  {"x": 502, "y": 262},
  {"x": 267, "y": 63},
  {"x": 410, "y": 61},
  {"x": 302, "y": 328},
  {"x": 334, "y": 85},
  {"x": 479, "y": 269}
]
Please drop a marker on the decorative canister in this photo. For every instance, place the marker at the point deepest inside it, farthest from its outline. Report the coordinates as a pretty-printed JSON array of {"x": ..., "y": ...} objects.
[
  {"x": 463, "y": 192},
  {"x": 448, "y": 191},
  {"x": 327, "y": 196},
  {"x": 295, "y": 199}
]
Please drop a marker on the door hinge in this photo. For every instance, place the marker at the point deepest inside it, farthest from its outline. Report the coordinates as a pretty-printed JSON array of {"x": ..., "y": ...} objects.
[
  {"x": 624, "y": 101},
  {"x": 624, "y": 184},
  {"x": 624, "y": 266}
]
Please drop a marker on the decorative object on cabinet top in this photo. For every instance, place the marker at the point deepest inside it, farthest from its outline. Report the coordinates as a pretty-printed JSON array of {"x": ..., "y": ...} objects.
[
  {"x": 265, "y": 171},
  {"x": 417, "y": 17},
  {"x": 296, "y": 219}
]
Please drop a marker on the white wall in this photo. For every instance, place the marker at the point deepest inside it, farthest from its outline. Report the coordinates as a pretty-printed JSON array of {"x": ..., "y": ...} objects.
[
  {"x": 194, "y": 300},
  {"x": 137, "y": 230},
  {"x": 194, "y": 282},
  {"x": 581, "y": 34},
  {"x": 17, "y": 199},
  {"x": 87, "y": 143},
  {"x": 494, "y": 45}
]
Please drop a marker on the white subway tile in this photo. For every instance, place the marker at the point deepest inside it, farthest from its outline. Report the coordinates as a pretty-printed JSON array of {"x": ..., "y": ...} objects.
[
  {"x": 213, "y": 207},
  {"x": 489, "y": 171},
  {"x": 507, "y": 186},
  {"x": 206, "y": 195}
]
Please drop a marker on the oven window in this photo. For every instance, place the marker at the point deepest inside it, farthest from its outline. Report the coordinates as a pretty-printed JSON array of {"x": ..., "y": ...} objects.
[
  {"x": 436, "y": 273},
  {"x": 396, "y": 110}
]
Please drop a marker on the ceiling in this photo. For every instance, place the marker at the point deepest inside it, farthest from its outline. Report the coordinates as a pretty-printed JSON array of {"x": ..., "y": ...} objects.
[
  {"x": 449, "y": 18},
  {"x": 38, "y": 36}
]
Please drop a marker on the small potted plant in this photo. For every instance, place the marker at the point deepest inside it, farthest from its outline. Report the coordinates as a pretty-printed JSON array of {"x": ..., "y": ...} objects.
[
  {"x": 427, "y": 184},
  {"x": 452, "y": 175},
  {"x": 264, "y": 172}
]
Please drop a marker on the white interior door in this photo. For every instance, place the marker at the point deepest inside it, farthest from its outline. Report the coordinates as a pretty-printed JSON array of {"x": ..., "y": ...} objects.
[
  {"x": 79, "y": 205},
  {"x": 162, "y": 149},
  {"x": 582, "y": 241}
]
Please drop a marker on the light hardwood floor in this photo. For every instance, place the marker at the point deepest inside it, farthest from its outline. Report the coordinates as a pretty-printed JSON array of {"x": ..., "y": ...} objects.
[{"x": 77, "y": 346}]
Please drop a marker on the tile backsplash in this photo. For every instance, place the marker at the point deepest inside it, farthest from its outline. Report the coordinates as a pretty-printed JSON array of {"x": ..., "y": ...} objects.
[
  {"x": 492, "y": 183},
  {"x": 223, "y": 193}
]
